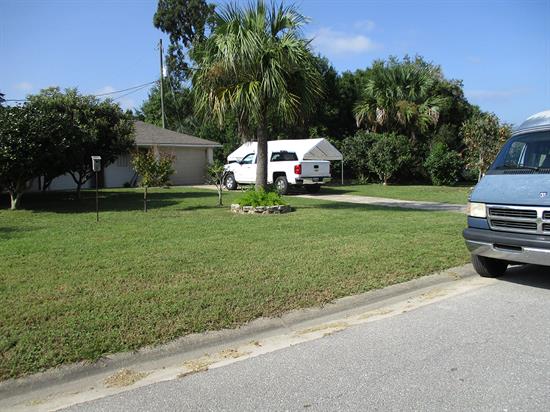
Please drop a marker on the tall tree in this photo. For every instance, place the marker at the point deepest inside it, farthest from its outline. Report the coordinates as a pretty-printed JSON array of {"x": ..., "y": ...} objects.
[
  {"x": 256, "y": 66},
  {"x": 21, "y": 142},
  {"x": 185, "y": 22},
  {"x": 400, "y": 96},
  {"x": 483, "y": 136},
  {"x": 178, "y": 107},
  {"x": 90, "y": 127}
]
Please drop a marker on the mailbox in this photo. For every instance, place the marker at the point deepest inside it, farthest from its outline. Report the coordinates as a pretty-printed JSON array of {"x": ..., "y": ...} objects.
[{"x": 96, "y": 163}]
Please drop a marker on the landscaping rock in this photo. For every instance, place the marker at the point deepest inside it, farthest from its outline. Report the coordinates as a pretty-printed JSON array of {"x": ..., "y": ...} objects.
[{"x": 263, "y": 210}]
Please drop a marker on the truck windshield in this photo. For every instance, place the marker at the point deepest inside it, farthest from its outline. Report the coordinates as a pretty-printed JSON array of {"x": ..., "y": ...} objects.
[{"x": 526, "y": 151}]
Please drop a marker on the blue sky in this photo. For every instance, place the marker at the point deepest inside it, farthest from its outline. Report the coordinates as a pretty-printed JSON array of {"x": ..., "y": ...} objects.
[{"x": 500, "y": 49}]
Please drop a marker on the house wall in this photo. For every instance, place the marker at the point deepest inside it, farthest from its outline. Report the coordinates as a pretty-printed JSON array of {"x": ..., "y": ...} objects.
[
  {"x": 120, "y": 172},
  {"x": 190, "y": 165}
]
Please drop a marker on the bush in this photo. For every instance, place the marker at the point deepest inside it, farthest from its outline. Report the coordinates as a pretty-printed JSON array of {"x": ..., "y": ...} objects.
[
  {"x": 260, "y": 197},
  {"x": 443, "y": 165},
  {"x": 388, "y": 155},
  {"x": 355, "y": 151}
]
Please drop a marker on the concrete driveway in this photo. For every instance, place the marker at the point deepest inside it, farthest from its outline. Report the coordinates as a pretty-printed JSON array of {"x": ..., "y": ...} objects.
[{"x": 484, "y": 349}]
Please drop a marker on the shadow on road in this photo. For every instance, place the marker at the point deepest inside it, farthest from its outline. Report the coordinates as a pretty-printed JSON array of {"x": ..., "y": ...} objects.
[{"x": 528, "y": 275}]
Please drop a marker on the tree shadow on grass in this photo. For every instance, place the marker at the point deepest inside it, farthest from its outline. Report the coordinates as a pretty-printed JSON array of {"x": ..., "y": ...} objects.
[
  {"x": 10, "y": 232},
  {"x": 110, "y": 200},
  {"x": 353, "y": 189},
  {"x": 366, "y": 207}
]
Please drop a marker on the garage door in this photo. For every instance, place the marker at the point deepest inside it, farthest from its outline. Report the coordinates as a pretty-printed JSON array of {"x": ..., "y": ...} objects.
[{"x": 190, "y": 166}]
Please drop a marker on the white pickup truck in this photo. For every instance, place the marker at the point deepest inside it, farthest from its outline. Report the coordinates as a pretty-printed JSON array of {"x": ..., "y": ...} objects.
[{"x": 286, "y": 166}]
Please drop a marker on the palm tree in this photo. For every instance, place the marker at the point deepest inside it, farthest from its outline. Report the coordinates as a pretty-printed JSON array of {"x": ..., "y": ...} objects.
[
  {"x": 256, "y": 66},
  {"x": 400, "y": 96}
]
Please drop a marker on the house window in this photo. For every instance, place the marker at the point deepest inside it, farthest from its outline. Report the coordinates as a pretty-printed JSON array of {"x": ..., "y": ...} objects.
[{"x": 123, "y": 161}]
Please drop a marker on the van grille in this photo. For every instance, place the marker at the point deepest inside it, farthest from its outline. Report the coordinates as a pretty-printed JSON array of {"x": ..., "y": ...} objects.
[
  {"x": 534, "y": 220},
  {"x": 527, "y": 214},
  {"x": 527, "y": 226}
]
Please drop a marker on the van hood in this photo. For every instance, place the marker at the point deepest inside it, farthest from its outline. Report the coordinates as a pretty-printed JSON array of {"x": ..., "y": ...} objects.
[{"x": 521, "y": 189}]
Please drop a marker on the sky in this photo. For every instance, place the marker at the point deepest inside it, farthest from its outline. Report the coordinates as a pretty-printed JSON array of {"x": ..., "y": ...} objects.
[{"x": 499, "y": 49}]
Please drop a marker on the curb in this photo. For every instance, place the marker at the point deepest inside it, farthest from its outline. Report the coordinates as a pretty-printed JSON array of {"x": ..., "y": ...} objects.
[{"x": 200, "y": 343}]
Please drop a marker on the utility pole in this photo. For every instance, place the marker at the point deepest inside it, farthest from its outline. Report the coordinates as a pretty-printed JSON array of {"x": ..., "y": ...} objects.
[{"x": 161, "y": 85}]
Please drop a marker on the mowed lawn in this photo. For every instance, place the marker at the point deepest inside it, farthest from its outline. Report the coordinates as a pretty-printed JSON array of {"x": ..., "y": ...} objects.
[
  {"x": 73, "y": 289},
  {"x": 444, "y": 194}
]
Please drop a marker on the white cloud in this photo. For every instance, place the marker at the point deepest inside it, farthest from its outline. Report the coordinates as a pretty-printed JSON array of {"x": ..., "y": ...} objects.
[
  {"x": 126, "y": 103},
  {"x": 494, "y": 94},
  {"x": 23, "y": 86},
  {"x": 330, "y": 41},
  {"x": 105, "y": 89},
  {"x": 366, "y": 25}
]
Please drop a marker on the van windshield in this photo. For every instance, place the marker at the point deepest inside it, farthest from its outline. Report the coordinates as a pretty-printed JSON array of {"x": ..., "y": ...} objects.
[{"x": 526, "y": 151}]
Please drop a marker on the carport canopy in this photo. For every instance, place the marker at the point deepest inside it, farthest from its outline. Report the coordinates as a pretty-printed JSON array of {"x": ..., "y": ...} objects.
[{"x": 305, "y": 149}]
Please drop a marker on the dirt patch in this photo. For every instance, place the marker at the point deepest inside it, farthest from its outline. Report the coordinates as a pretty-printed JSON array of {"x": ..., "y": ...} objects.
[
  {"x": 378, "y": 312},
  {"x": 337, "y": 326},
  {"x": 124, "y": 377}
]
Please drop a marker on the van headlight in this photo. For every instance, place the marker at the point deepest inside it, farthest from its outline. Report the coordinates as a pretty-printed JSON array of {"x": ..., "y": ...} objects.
[{"x": 476, "y": 210}]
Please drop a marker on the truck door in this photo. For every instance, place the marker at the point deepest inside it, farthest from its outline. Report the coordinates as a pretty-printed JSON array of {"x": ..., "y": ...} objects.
[{"x": 246, "y": 173}]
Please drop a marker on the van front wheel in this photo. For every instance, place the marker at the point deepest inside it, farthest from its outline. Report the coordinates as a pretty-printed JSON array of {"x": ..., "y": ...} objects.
[{"x": 489, "y": 267}]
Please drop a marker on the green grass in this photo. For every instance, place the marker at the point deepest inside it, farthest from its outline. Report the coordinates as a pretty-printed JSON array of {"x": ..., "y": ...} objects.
[
  {"x": 443, "y": 194},
  {"x": 73, "y": 289}
]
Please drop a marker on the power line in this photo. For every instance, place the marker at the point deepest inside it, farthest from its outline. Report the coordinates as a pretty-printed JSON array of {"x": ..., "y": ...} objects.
[
  {"x": 134, "y": 88},
  {"x": 133, "y": 91}
]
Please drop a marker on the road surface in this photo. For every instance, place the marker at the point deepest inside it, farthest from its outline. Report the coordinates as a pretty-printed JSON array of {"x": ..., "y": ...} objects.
[{"x": 486, "y": 349}]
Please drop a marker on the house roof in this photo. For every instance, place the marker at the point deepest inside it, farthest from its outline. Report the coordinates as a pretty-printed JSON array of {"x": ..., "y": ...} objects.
[{"x": 151, "y": 135}]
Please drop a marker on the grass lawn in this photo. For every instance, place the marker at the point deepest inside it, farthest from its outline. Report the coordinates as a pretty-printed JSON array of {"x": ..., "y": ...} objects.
[
  {"x": 443, "y": 194},
  {"x": 73, "y": 289}
]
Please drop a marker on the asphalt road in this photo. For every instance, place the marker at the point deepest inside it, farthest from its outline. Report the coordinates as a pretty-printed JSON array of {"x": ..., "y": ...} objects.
[{"x": 487, "y": 349}]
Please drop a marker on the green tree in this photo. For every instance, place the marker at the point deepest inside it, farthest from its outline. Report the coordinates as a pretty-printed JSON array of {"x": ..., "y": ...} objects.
[
  {"x": 401, "y": 97},
  {"x": 178, "y": 107},
  {"x": 21, "y": 142},
  {"x": 388, "y": 155},
  {"x": 186, "y": 23},
  {"x": 355, "y": 150},
  {"x": 484, "y": 136},
  {"x": 443, "y": 165},
  {"x": 154, "y": 169},
  {"x": 257, "y": 67},
  {"x": 215, "y": 175}
]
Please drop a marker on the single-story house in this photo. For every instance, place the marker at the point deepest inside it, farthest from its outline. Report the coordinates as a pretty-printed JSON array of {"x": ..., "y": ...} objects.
[{"x": 192, "y": 156}]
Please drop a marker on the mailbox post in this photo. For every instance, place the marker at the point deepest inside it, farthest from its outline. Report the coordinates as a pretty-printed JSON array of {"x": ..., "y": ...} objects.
[{"x": 96, "y": 167}]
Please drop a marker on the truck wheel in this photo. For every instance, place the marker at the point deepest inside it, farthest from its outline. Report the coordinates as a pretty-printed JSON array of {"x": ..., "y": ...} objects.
[
  {"x": 230, "y": 182},
  {"x": 312, "y": 188},
  {"x": 281, "y": 185},
  {"x": 488, "y": 267}
]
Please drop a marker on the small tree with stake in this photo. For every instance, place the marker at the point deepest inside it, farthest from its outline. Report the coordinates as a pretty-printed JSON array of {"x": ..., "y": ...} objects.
[
  {"x": 154, "y": 170},
  {"x": 215, "y": 175}
]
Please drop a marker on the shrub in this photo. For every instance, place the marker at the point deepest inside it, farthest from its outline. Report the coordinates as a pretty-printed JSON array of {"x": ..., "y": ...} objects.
[
  {"x": 389, "y": 153},
  {"x": 443, "y": 165},
  {"x": 355, "y": 149},
  {"x": 260, "y": 197}
]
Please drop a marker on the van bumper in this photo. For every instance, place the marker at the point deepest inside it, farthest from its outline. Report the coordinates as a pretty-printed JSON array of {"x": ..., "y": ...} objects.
[{"x": 513, "y": 247}]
